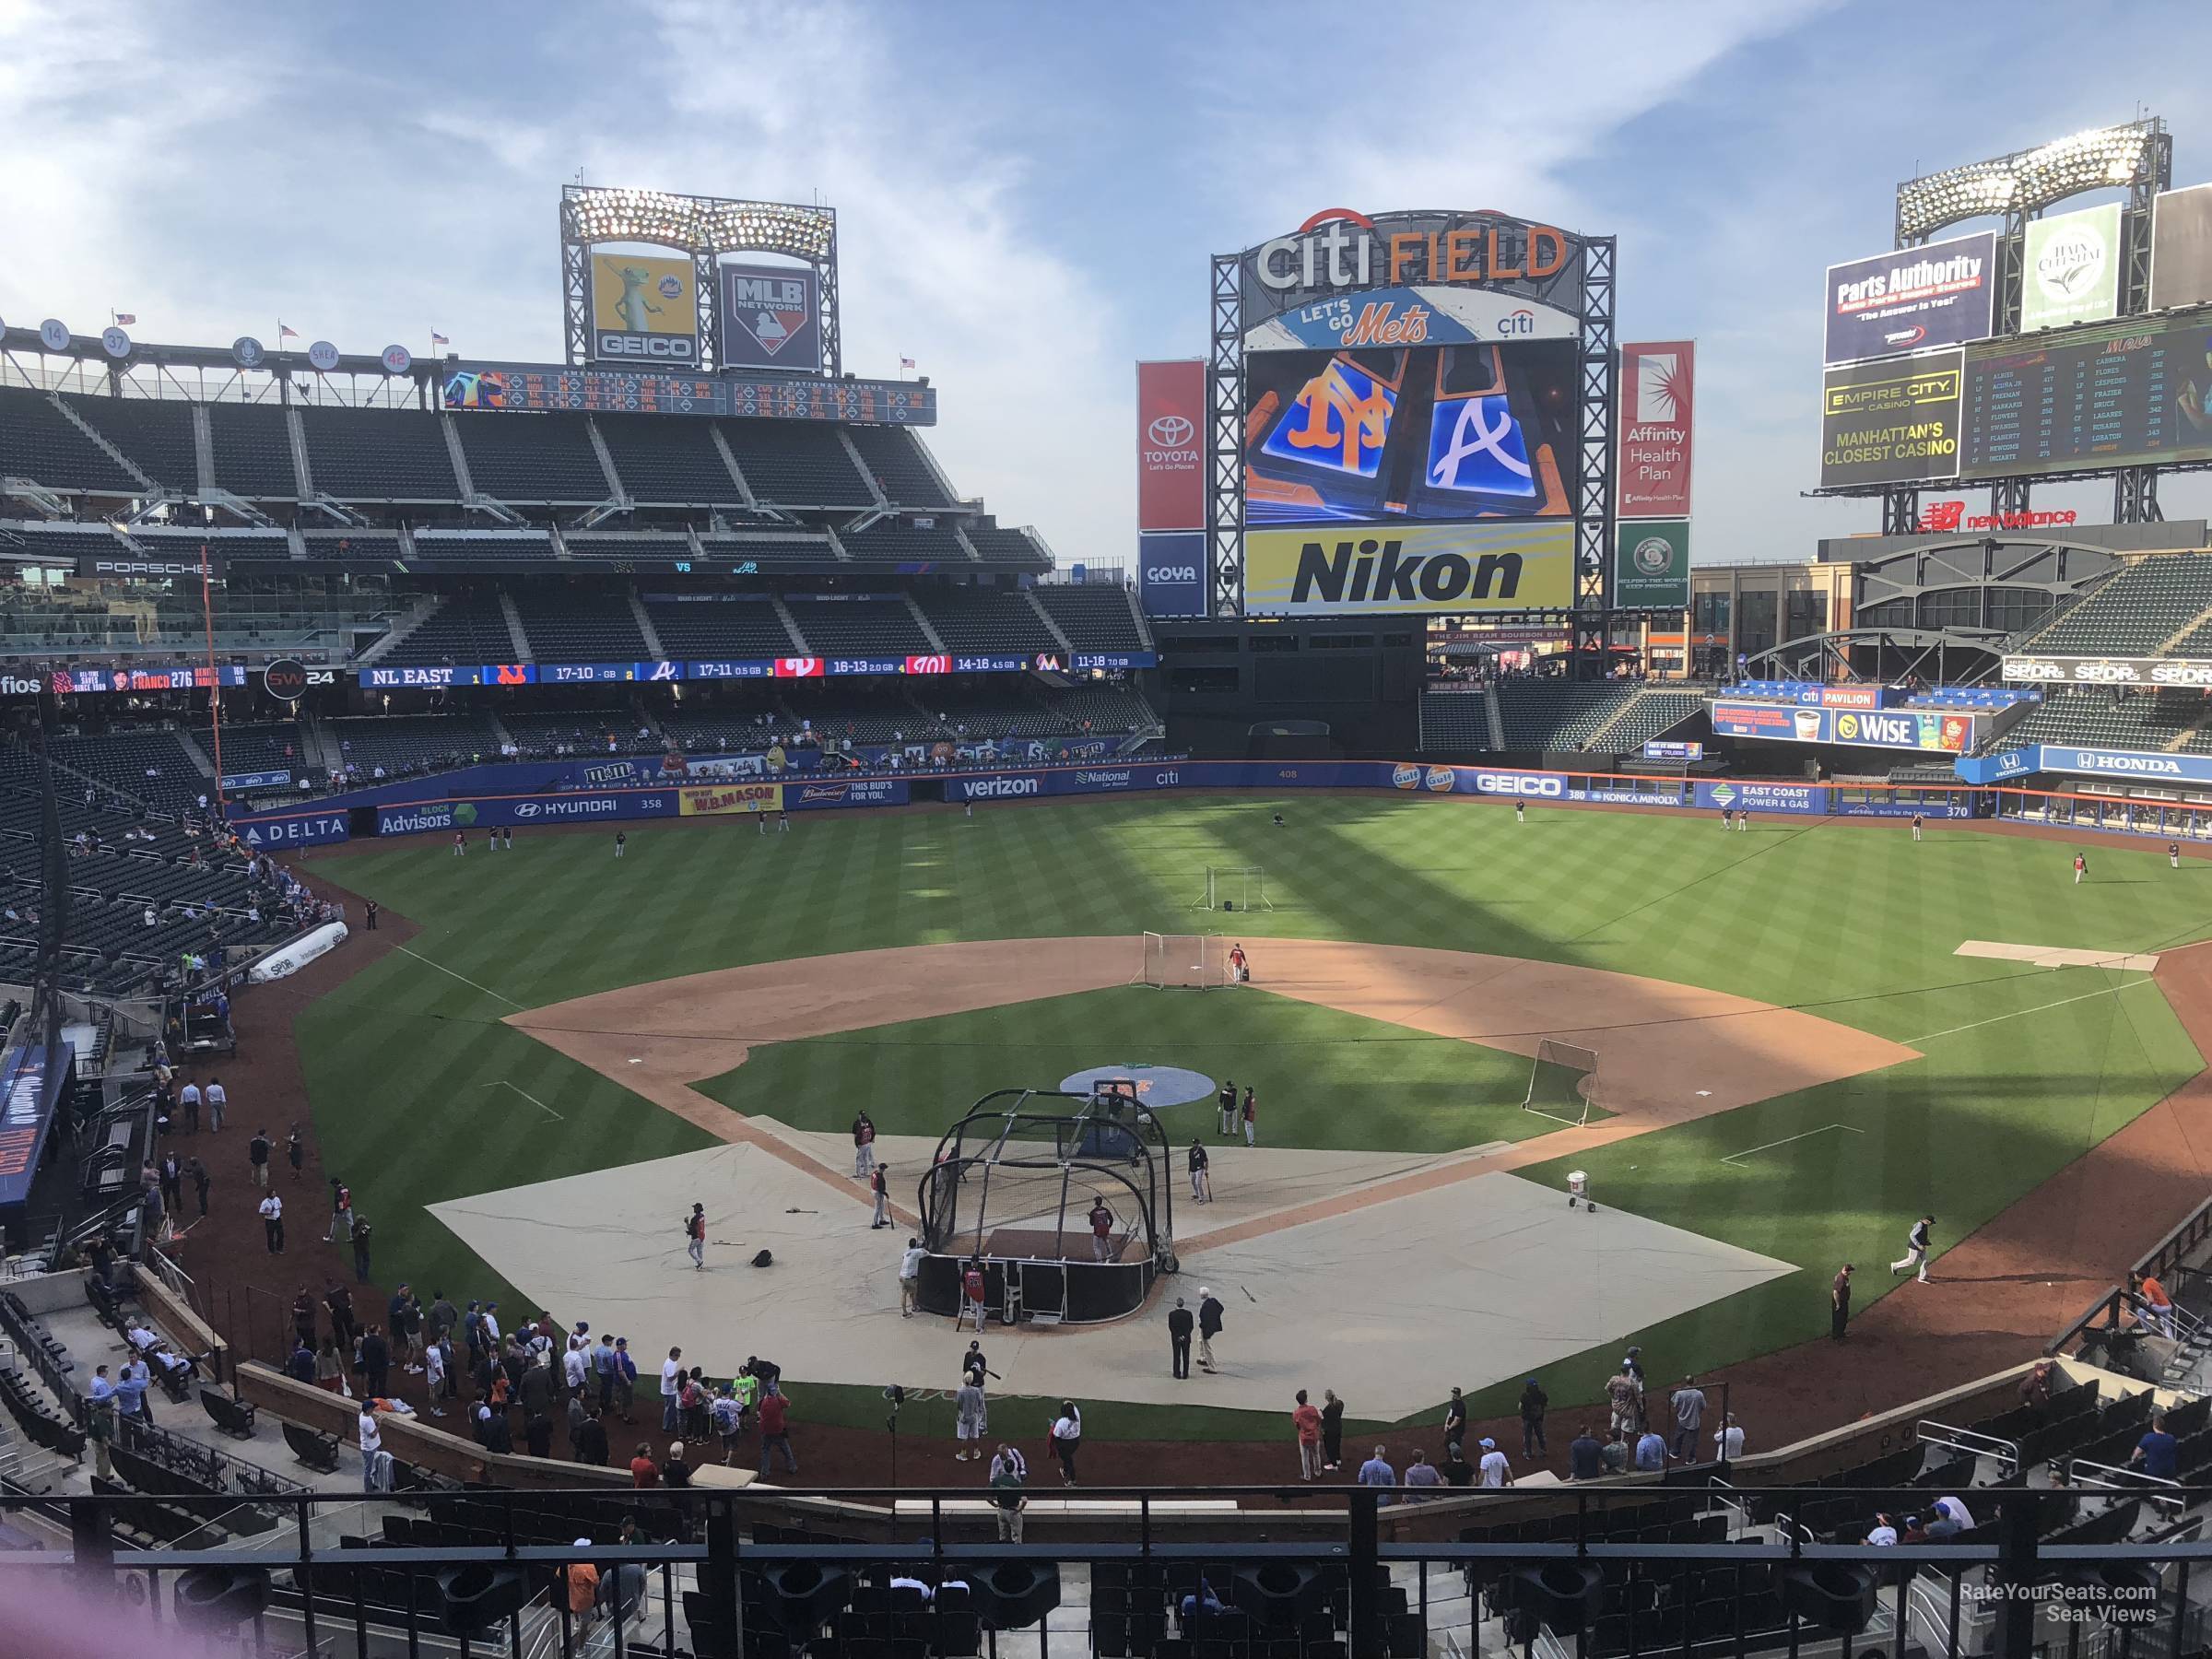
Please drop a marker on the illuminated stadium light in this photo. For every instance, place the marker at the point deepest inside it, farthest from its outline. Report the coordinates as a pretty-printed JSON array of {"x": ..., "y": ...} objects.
[
  {"x": 2028, "y": 180},
  {"x": 698, "y": 224}
]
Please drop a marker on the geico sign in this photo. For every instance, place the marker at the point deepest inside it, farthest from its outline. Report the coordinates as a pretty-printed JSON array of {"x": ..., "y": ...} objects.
[
  {"x": 1518, "y": 784},
  {"x": 659, "y": 349},
  {"x": 1171, "y": 574}
]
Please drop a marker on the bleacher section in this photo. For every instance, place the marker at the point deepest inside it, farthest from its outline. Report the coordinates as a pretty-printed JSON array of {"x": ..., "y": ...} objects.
[
  {"x": 379, "y": 455},
  {"x": 533, "y": 546},
  {"x": 731, "y": 724},
  {"x": 997, "y": 544},
  {"x": 579, "y": 732},
  {"x": 2102, "y": 719},
  {"x": 407, "y": 744},
  {"x": 252, "y": 449},
  {"x": 977, "y": 619},
  {"x": 2136, "y": 612},
  {"x": 1651, "y": 714},
  {"x": 278, "y": 746},
  {"x": 155, "y": 433},
  {"x": 1455, "y": 721},
  {"x": 1557, "y": 715},
  {"x": 1103, "y": 707},
  {"x": 151, "y": 766},
  {"x": 1094, "y": 616},
  {"x": 716, "y": 628},
  {"x": 895, "y": 456},
  {"x": 901, "y": 541},
  {"x": 581, "y": 626},
  {"x": 468, "y": 628},
  {"x": 859, "y": 626},
  {"x": 768, "y": 548},
  {"x": 534, "y": 458},
  {"x": 797, "y": 463},
  {"x": 660, "y": 460},
  {"x": 37, "y": 441}
]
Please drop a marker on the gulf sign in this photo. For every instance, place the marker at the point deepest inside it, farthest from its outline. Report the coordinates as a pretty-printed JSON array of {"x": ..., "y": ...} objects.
[{"x": 1171, "y": 450}]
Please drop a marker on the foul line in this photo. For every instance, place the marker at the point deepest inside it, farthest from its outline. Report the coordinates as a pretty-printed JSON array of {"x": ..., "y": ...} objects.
[
  {"x": 1806, "y": 1135},
  {"x": 462, "y": 977},
  {"x": 526, "y": 1095},
  {"x": 1996, "y": 1018}
]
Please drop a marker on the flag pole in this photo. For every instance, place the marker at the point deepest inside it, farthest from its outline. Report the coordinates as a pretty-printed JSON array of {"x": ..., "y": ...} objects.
[{"x": 214, "y": 689}]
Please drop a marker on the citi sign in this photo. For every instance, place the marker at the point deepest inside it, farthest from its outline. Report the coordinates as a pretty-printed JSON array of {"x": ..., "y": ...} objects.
[{"x": 1338, "y": 248}]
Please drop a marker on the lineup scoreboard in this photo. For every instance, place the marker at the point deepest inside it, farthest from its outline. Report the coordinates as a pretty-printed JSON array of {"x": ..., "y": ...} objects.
[
  {"x": 2122, "y": 394},
  {"x": 536, "y": 388}
]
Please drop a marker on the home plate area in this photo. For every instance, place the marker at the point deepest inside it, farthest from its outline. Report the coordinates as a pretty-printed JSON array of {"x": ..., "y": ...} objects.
[{"x": 1496, "y": 1266}]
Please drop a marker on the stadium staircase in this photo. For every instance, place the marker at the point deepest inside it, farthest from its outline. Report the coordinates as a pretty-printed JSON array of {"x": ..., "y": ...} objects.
[
  {"x": 1045, "y": 616},
  {"x": 1494, "y": 716},
  {"x": 523, "y": 652},
  {"x": 923, "y": 622},
  {"x": 399, "y": 628},
  {"x": 191, "y": 745},
  {"x": 645, "y": 627},
  {"x": 101, "y": 443},
  {"x": 791, "y": 623}
]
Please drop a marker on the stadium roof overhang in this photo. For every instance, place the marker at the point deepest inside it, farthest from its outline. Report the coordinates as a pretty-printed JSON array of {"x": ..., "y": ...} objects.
[{"x": 1790, "y": 657}]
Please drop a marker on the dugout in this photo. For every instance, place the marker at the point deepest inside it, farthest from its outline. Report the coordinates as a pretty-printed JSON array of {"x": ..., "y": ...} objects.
[{"x": 1014, "y": 1183}]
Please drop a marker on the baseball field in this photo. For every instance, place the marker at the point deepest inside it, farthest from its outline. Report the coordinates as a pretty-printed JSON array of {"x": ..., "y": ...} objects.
[{"x": 1797, "y": 1062}]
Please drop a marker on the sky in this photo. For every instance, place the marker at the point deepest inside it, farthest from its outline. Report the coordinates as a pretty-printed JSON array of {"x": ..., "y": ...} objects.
[{"x": 1028, "y": 193}]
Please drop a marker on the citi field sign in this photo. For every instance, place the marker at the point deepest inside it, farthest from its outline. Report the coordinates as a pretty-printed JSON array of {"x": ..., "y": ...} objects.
[{"x": 1430, "y": 277}]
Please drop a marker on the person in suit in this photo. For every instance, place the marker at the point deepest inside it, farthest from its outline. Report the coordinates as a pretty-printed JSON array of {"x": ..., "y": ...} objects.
[{"x": 1180, "y": 1325}]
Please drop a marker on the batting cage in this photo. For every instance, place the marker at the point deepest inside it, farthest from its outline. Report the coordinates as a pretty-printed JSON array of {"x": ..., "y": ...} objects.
[{"x": 1058, "y": 1196}]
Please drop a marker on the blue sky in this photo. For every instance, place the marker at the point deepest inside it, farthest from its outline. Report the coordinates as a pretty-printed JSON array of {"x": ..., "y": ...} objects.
[{"x": 1028, "y": 193}]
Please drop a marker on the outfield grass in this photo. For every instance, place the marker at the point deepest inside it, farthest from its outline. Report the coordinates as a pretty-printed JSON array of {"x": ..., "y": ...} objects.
[
  {"x": 2025, "y": 1067},
  {"x": 1324, "y": 1078}
]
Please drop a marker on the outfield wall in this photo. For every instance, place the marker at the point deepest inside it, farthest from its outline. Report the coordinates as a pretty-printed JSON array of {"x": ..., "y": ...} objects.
[{"x": 475, "y": 798}]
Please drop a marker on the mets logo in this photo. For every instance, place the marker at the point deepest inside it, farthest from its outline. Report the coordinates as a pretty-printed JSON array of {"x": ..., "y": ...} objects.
[
  {"x": 1441, "y": 779},
  {"x": 1406, "y": 777}
]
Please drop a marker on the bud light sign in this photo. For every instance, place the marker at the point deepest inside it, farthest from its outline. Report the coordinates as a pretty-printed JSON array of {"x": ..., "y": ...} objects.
[{"x": 1171, "y": 573}]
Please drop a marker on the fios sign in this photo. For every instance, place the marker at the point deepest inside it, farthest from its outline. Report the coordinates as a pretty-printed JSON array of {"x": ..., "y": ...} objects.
[{"x": 1170, "y": 423}]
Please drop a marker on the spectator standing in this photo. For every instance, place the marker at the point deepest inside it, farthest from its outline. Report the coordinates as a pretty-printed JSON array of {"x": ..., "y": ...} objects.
[
  {"x": 272, "y": 1223},
  {"x": 360, "y": 1250},
  {"x": 1252, "y": 1116},
  {"x": 2158, "y": 1454},
  {"x": 188, "y": 1099},
  {"x": 1493, "y": 1470},
  {"x": 1650, "y": 1450},
  {"x": 1202, "y": 1185},
  {"x": 864, "y": 1129},
  {"x": 879, "y": 1182},
  {"x": 341, "y": 1214},
  {"x": 1689, "y": 1417},
  {"x": 376, "y": 1360},
  {"x": 1332, "y": 1431},
  {"x": 1006, "y": 1496},
  {"x": 1623, "y": 1401},
  {"x": 1730, "y": 1439},
  {"x": 1067, "y": 1439},
  {"x": 671, "y": 1386},
  {"x": 1306, "y": 1419},
  {"x": 1839, "y": 1303},
  {"x": 1209, "y": 1326},
  {"x": 971, "y": 1420},
  {"x": 1180, "y": 1325},
  {"x": 1455, "y": 1420},
  {"x": 644, "y": 1474},
  {"x": 1377, "y": 1473},
  {"x": 1535, "y": 1402},
  {"x": 775, "y": 1429},
  {"x": 200, "y": 1181},
  {"x": 1420, "y": 1472},
  {"x": 729, "y": 1419},
  {"x": 372, "y": 1447},
  {"x": 1457, "y": 1470},
  {"x": 296, "y": 1150},
  {"x": 910, "y": 1278},
  {"x": 589, "y": 1441},
  {"x": 695, "y": 1237},
  {"x": 257, "y": 1157},
  {"x": 1584, "y": 1460},
  {"x": 218, "y": 1101}
]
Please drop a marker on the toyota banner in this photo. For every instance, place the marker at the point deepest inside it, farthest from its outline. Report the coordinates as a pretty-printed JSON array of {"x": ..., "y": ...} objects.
[{"x": 1170, "y": 463}]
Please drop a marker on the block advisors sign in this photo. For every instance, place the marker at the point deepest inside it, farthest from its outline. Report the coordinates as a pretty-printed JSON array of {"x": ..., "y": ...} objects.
[
  {"x": 1651, "y": 563},
  {"x": 1657, "y": 384},
  {"x": 1442, "y": 570}
]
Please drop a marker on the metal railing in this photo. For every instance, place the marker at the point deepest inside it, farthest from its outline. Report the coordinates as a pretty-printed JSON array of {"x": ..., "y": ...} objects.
[{"x": 761, "y": 1571}]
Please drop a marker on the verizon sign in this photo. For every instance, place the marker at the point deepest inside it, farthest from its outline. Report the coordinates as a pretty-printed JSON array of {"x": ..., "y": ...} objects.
[
  {"x": 1171, "y": 460},
  {"x": 2149, "y": 672}
]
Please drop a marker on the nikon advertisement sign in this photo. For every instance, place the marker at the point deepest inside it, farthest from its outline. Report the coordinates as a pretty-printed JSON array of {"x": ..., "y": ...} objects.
[{"x": 1441, "y": 570}]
